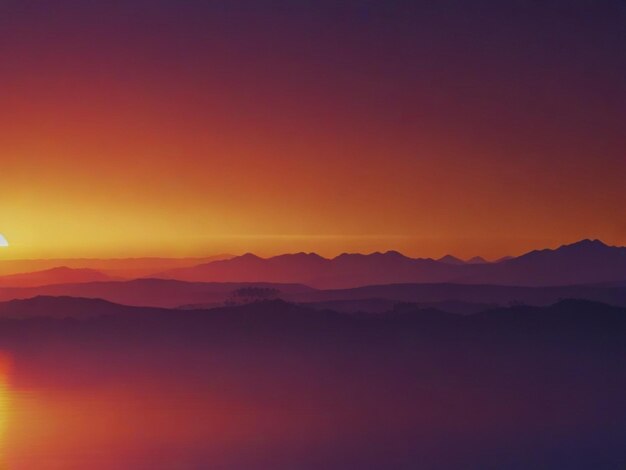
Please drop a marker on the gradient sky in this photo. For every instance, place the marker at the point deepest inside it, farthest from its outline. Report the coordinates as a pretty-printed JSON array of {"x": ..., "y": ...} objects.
[{"x": 169, "y": 127}]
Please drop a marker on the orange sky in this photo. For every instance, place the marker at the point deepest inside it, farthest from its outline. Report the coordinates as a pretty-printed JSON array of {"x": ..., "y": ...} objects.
[{"x": 123, "y": 137}]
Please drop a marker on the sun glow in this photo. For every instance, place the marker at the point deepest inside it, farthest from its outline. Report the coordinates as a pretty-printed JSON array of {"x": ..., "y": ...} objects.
[{"x": 3, "y": 241}]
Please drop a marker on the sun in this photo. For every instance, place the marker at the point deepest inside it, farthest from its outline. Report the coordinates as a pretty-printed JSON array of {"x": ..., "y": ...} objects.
[{"x": 3, "y": 241}]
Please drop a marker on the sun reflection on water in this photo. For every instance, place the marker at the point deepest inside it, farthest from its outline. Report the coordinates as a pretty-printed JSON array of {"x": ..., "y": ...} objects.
[{"x": 5, "y": 364}]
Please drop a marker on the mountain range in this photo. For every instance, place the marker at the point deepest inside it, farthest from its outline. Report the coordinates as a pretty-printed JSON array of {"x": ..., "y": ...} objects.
[
  {"x": 126, "y": 268},
  {"x": 58, "y": 275},
  {"x": 584, "y": 262}
]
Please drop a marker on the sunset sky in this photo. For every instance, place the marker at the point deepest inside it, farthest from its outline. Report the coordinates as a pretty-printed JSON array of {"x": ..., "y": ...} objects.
[{"x": 188, "y": 128}]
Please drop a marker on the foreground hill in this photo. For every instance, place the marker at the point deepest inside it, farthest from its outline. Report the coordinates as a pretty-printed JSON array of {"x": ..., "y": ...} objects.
[
  {"x": 584, "y": 262},
  {"x": 559, "y": 318},
  {"x": 457, "y": 298},
  {"x": 69, "y": 307},
  {"x": 150, "y": 292},
  {"x": 477, "y": 294}
]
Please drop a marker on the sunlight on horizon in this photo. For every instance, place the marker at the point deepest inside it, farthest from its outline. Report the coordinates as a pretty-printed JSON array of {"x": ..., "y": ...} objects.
[{"x": 3, "y": 241}]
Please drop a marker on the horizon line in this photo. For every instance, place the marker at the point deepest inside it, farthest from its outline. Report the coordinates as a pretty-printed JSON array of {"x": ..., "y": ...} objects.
[{"x": 232, "y": 255}]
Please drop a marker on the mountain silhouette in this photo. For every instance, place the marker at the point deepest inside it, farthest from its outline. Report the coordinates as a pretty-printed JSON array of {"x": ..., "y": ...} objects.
[
  {"x": 68, "y": 307},
  {"x": 83, "y": 308},
  {"x": 470, "y": 294},
  {"x": 584, "y": 262},
  {"x": 126, "y": 268},
  {"x": 449, "y": 259},
  {"x": 149, "y": 292},
  {"x": 460, "y": 298},
  {"x": 575, "y": 319},
  {"x": 58, "y": 275},
  {"x": 345, "y": 270}
]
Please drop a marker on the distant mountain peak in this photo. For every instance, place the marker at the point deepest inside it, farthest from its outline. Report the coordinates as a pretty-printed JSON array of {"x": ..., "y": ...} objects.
[
  {"x": 449, "y": 259},
  {"x": 249, "y": 256},
  {"x": 56, "y": 275},
  {"x": 393, "y": 253},
  {"x": 586, "y": 243},
  {"x": 587, "y": 261},
  {"x": 302, "y": 254},
  {"x": 58, "y": 269},
  {"x": 386, "y": 254}
]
